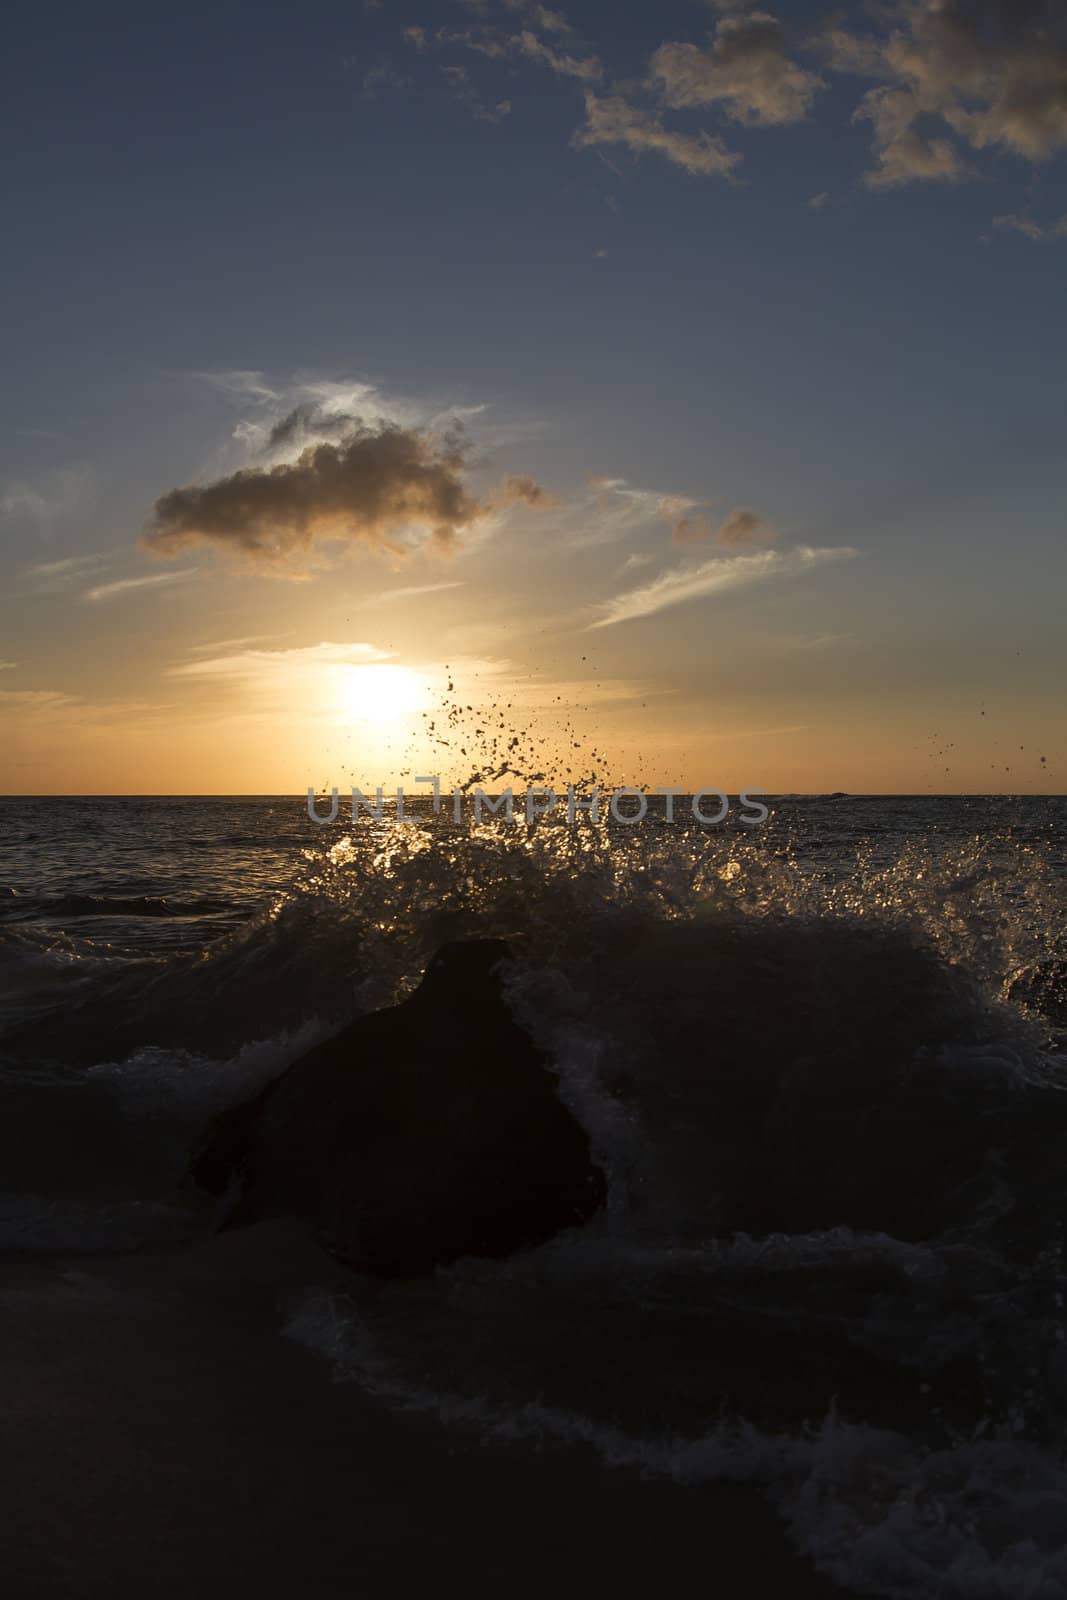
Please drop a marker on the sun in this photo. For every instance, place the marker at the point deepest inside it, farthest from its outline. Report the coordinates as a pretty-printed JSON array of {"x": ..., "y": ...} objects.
[{"x": 380, "y": 694}]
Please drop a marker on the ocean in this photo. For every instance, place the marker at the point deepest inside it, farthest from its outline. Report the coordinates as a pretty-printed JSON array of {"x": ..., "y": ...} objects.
[{"x": 816, "y": 1060}]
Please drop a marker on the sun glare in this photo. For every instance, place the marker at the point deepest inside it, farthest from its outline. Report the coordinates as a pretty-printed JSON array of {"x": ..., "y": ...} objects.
[{"x": 380, "y": 694}]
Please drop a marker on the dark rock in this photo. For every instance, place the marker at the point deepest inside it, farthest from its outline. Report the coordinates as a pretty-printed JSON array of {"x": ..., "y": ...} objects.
[
  {"x": 419, "y": 1134},
  {"x": 1043, "y": 988}
]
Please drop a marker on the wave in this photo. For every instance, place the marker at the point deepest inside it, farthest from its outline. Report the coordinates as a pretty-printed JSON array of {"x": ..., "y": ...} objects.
[
  {"x": 89, "y": 905},
  {"x": 832, "y": 1257},
  {"x": 979, "y": 1518}
]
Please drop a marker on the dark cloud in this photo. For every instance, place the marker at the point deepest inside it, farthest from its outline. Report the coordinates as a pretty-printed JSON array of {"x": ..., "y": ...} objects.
[
  {"x": 370, "y": 486},
  {"x": 741, "y": 527},
  {"x": 525, "y": 491},
  {"x": 982, "y": 74},
  {"x": 744, "y": 527},
  {"x": 307, "y": 422},
  {"x": 745, "y": 69}
]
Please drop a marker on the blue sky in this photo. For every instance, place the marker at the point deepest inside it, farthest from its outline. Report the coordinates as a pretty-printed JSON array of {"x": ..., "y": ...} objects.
[{"x": 668, "y": 262}]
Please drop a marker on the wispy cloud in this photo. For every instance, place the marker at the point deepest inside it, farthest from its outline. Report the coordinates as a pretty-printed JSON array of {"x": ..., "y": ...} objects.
[
  {"x": 408, "y": 592},
  {"x": 45, "y": 499},
  {"x": 213, "y": 646},
  {"x": 37, "y": 710},
  {"x": 265, "y": 666},
  {"x": 8, "y": 666},
  {"x": 241, "y": 384},
  {"x": 618, "y": 507},
  {"x": 717, "y": 576},
  {"x": 380, "y": 77},
  {"x": 36, "y": 699},
  {"x": 462, "y": 90},
  {"x": 769, "y": 733},
  {"x": 586, "y": 69},
  {"x": 49, "y": 576},
  {"x": 822, "y": 641},
  {"x": 111, "y": 591},
  {"x": 1038, "y": 231},
  {"x": 613, "y": 120}
]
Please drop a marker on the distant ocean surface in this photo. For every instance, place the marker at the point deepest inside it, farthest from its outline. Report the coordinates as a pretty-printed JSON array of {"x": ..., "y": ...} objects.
[{"x": 787, "y": 1042}]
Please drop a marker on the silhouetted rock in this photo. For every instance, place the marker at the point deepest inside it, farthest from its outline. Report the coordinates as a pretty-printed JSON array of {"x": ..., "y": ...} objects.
[{"x": 419, "y": 1134}]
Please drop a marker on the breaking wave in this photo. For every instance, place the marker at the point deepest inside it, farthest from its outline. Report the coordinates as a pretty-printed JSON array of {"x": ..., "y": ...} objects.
[{"x": 834, "y": 1127}]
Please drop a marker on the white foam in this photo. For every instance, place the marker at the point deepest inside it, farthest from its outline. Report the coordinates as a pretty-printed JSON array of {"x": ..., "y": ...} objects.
[
  {"x": 985, "y": 1519},
  {"x": 168, "y": 1083}
]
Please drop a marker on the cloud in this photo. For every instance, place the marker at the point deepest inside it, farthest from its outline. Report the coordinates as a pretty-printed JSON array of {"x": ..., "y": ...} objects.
[
  {"x": 691, "y": 524},
  {"x": 55, "y": 494},
  {"x": 307, "y": 421},
  {"x": 985, "y": 73},
  {"x": 542, "y": 17},
  {"x": 382, "y": 76},
  {"x": 263, "y": 667},
  {"x": 821, "y": 641},
  {"x": 69, "y": 569},
  {"x": 371, "y": 486},
  {"x": 159, "y": 580},
  {"x": 523, "y": 490},
  {"x": 1033, "y": 230},
  {"x": 229, "y": 645},
  {"x": 744, "y": 69},
  {"x": 744, "y": 527},
  {"x": 483, "y": 41},
  {"x": 8, "y": 666},
  {"x": 287, "y": 416},
  {"x": 906, "y": 152},
  {"x": 618, "y": 508},
  {"x": 613, "y": 120},
  {"x": 240, "y": 382},
  {"x": 36, "y": 699},
  {"x": 741, "y": 527},
  {"x": 464, "y": 92},
  {"x": 818, "y": 201},
  {"x": 409, "y": 591},
  {"x": 716, "y": 576},
  {"x": 550, "y": 21},
  {"x": 587, "y": 69},
  {"x": 496, "y": 45}
]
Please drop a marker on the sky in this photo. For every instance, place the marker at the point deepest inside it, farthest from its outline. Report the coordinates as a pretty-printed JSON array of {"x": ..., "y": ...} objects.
[{"x": 679, "y": 386}]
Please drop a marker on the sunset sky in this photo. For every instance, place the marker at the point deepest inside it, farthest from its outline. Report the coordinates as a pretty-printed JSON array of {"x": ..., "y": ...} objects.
[{"x": 686, "y": 379}]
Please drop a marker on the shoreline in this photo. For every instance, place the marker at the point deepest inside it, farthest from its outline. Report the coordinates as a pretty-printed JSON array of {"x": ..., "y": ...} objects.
[{"x": 163, "y": 1437}]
